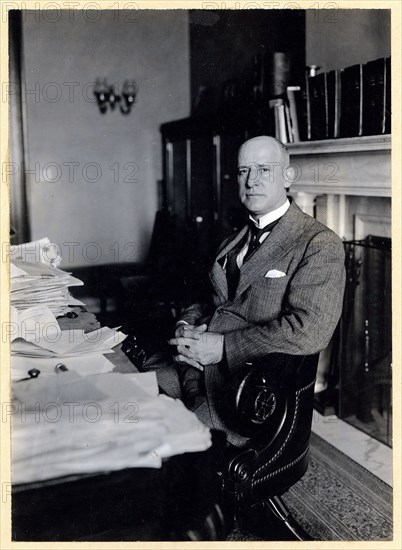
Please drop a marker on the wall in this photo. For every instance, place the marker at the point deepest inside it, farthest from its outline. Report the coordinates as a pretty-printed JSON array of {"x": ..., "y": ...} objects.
[
  {"x": 62, "y": 58},
  {"x": 336, "y": 39}
]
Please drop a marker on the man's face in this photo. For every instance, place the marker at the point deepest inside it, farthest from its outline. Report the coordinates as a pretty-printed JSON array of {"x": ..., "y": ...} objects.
[{"x": 261, "y": 177}]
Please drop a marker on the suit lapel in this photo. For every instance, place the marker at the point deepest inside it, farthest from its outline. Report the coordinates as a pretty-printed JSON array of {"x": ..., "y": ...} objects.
[
  {"x": 281, "y": 239},
  {"x": 217, "y": 274}
]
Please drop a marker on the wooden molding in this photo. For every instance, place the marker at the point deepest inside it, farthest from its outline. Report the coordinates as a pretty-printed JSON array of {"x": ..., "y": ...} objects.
[
  {"x": 341, "y": 145},
  {"x": 348, "y": 166}
]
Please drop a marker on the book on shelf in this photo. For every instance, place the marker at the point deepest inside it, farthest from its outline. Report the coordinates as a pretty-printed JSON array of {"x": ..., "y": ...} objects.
[
  {"x": 319, "y": 106},
  {"x": 351, "y": 123},
  {"x": 305, "y": 127},
  {"x": 288, "y": 122},
  {"x": 293, "y": 101},
  {"x": 281, "y": 125},
  {"x": 334, "y": 103},
  {"x": 376, "y": 105}
]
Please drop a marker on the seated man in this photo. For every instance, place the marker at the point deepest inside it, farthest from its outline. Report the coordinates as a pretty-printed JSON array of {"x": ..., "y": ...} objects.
[{"x": 277, "y": 288}]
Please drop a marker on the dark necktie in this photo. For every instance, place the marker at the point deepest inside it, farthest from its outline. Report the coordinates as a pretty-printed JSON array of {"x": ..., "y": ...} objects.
[
  {"x": 232, "y": 270},
  {"x": 256, "y": 235}
]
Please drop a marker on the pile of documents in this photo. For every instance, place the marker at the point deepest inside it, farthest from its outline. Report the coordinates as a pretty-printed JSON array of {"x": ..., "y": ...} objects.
[
  {"x": 40, "y": 345},
  {"x": 38, "y": 339},
  {"x": 98, "y": 423},
  {"x": 39, "y": 294},
  {"x": 35, "y": 284}
]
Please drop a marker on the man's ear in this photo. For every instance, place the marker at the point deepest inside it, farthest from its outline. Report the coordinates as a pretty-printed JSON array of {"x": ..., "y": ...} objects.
[{"x": 290, "y": 175}]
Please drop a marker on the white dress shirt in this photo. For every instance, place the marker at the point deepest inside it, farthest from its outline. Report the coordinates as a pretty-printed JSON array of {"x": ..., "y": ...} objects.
[{"x": 261, "y": 223}]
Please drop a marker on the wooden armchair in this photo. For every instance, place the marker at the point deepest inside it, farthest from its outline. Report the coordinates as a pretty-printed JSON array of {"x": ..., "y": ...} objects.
[{"x": 271, "y": 402}]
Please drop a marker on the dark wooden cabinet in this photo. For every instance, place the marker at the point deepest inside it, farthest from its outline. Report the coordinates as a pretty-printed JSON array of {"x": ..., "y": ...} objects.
[{"x": 200, "y": 181}]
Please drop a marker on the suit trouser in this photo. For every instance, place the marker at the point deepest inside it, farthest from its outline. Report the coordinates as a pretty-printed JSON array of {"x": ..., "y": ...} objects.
[{"x": 181, "y": 381}]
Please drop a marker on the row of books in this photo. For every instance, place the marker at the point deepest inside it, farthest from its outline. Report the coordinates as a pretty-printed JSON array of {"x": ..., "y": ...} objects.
[{"x": 355, "y": 101}]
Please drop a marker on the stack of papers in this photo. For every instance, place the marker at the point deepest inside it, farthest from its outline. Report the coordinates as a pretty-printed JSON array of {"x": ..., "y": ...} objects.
[
  {"x": 35, "y": 284},
  {"x": 33, "y": 323},
  {"x": 39, "y": 294},
  {"x": 36, "y": 340},
  {"x": 69, "y": 343},
  {"x": 107, "y": 422}
]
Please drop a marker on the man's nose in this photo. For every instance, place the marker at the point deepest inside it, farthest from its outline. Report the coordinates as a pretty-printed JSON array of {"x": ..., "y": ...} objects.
[{"x": 253, "y": 177}]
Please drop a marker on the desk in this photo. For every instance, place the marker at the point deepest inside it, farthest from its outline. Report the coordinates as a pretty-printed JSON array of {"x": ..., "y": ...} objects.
[{"x": 177, "y": 502}]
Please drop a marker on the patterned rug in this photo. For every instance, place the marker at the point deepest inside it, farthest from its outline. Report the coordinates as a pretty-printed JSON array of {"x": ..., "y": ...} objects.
[{"x": 337, "y": 499}]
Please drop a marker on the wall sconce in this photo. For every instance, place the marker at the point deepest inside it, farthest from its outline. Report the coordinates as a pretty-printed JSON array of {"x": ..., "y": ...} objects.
[{"x": 107, "y": 96}]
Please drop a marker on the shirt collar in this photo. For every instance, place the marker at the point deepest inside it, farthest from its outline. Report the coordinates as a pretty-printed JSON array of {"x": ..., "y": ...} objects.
[{"x": 271, "y": 216}]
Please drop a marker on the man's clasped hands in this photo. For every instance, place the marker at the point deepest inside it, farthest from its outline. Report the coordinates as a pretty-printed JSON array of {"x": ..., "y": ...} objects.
[{"x": 196, "y": 346}]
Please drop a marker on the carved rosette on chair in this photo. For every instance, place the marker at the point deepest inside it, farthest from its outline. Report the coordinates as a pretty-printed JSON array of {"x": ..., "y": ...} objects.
[{"x": 271, "y": 403}]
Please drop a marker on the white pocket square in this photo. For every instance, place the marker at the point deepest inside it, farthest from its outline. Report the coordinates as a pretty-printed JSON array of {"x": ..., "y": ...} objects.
[{"x": 274, "y": 273}]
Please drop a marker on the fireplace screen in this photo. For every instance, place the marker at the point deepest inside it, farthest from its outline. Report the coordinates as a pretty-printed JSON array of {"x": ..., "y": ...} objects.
[{"x": 365, "y": 339}]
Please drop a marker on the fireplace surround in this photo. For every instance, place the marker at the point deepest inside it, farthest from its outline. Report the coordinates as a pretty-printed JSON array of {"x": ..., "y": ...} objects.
[{"x": 346, "y": 184}]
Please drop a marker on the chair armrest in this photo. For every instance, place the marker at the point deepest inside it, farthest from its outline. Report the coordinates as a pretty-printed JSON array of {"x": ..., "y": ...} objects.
[
  {"x": 259, "y": 397},
  {"x": 272, "y": 403}
]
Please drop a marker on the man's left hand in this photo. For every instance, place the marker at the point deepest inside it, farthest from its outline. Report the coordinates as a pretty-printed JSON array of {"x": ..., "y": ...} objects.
[{"x": 206, "y": 350}]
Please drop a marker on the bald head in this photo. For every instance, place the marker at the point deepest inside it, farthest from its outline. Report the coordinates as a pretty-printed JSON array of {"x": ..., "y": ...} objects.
[{"x": 267, "y": 142}]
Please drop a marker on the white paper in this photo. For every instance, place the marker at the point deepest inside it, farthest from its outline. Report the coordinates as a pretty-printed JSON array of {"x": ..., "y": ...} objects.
[
  {"x": 36, "y": 283},
  {"x": 129, "y": 428},
  {"x": 69, "y": 343},
  {"x": 34, "y": 323}
]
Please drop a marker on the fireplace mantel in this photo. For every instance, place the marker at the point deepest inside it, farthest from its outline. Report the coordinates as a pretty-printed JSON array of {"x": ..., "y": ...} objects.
[{"x": 359, "y": 166}]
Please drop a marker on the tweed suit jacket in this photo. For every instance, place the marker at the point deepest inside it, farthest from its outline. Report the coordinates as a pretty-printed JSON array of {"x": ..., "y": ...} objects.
[{"x": 296, "y": 313}]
